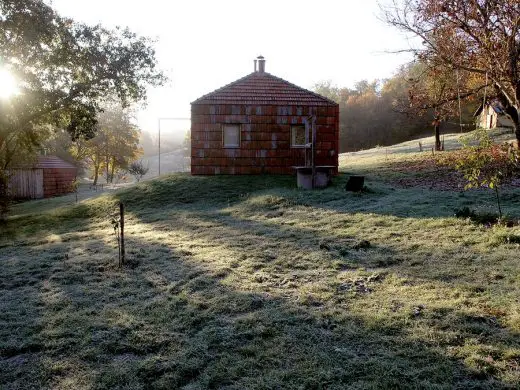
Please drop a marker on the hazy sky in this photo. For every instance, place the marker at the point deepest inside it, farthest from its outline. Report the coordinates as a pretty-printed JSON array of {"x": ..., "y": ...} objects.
[{"x": 203, "y": 45}]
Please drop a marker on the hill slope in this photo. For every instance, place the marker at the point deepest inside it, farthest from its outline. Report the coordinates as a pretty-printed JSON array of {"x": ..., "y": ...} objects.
[{"x": 247, "y": 282}]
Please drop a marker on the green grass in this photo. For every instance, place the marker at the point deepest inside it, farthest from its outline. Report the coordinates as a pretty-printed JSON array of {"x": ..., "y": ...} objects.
[{"x": 250, "y": 283}]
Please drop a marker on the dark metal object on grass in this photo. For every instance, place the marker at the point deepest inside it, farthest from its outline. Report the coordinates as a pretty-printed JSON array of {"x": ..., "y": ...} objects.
[{"x": 355, "y": 183}]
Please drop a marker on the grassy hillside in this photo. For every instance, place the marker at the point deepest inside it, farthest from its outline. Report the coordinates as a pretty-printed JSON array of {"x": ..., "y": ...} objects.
[{"x": 248, "y": 282}]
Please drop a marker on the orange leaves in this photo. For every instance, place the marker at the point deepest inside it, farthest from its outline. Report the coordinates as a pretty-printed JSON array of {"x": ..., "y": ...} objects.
[{"x": 478, "y": 38}]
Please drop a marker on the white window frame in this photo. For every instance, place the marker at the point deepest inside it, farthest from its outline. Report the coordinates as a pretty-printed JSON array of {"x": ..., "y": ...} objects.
[
  {"x": 232, "y": 146},
  {"x": 295, "y": 128}
]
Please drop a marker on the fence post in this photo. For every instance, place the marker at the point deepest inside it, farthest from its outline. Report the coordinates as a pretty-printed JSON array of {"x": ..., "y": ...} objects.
[{"x": 122, "y": 225}]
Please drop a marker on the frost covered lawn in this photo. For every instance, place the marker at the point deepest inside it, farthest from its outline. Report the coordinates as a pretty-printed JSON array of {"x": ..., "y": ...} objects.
[{"x": 249, "y": 283}]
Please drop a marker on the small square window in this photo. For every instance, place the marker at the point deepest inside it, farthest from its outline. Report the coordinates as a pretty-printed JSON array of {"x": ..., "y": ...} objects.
[
  {"x": 298, "y": 137},
  {"x": 231, "y": 136}
]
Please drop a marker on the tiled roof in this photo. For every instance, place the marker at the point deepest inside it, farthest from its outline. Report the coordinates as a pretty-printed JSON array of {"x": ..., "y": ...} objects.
[
  {"x": 52, "y": 162},
  {"x": 263, "y": 88},
  {"x": 44, "y": 162},
  {"x": 495, "y": 105}
]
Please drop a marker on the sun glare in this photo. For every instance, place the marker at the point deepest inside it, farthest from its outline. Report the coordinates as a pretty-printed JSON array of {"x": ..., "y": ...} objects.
[{"x": 8, "y": 85}]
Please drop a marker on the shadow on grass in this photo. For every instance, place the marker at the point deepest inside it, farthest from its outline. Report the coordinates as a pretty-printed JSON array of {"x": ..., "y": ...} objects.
[
  {"x": 182, "y": 319},
  {"x": 327, "y": 319},
  {"x": 176, "y": 321},
  {"x": 184, "y": 191},
  {"x": 179, "y": 190}
]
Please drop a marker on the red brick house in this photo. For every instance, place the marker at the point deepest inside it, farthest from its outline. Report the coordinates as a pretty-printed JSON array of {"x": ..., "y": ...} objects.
[{"x": 262, "y": 124}]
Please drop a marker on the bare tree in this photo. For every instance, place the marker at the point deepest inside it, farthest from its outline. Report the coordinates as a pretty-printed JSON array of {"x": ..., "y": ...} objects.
[{"x": 479, "y": 38}]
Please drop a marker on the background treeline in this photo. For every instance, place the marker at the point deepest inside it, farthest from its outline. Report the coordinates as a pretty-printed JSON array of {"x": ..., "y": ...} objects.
[
  {"x": 108, "y": 154},
  {"x": 375, "y": 113}
]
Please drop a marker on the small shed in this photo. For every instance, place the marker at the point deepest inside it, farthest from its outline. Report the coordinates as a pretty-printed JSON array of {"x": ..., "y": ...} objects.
[
  {"x": 48, "y": 176},
  {"x": 261, "y": 123},
  {"x": 491, "y": 115}
]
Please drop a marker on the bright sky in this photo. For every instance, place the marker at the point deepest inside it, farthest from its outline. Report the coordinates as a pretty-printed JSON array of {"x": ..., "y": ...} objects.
[{"x": 205, "y": 44}]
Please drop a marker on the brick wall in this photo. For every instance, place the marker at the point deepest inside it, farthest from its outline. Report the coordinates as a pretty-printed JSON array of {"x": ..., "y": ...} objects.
[
  {"x": 58, "y": 181},
  {"x": 265, "y": 145}
]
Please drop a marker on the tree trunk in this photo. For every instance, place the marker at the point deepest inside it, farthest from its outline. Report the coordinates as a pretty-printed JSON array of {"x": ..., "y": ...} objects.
[
  {"x": 513, "y": 112},
  {"x": 437, "y": 127},
  {"x": 112, "y": 169},
  {"x": 107, "y": 173},
  {"x": 96, "y": 173},
  {"x": 517, "y": 131}
]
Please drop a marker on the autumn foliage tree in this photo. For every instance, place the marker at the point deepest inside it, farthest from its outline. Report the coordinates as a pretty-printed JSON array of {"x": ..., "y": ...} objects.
[
  {"x": 478, "y": 39},
  {"x": 437, "y": 94},
  {"x": 366, "y": 116},
  {"x": 378, "y": 112},
  {"x": 114, "y": 147}
]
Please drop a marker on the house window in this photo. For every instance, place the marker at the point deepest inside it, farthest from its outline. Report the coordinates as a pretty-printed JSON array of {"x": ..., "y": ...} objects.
[
  {"x": 298, "y": 137},
  {"x": 231, "y": 136}
]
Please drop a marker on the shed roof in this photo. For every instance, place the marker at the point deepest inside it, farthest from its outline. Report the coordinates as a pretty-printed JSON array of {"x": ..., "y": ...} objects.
[
  {"x": 494, "y": 104},
  {"x": 264, "y": 88},
  {"x": 52, "y": 162},
  {"x": 44, "y": 162}
]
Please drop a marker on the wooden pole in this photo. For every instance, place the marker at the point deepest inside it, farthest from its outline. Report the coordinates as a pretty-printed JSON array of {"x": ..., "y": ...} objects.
[
  {"x": 313, "y": 127},
  {"x": 159, "y": 144},
  {"x": 122, "y": 233}
]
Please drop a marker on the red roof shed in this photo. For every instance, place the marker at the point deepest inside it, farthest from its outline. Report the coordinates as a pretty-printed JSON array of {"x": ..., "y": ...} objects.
[
  {"x": 48, "y": 176},
  {"x": 261, "y": 124}
]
